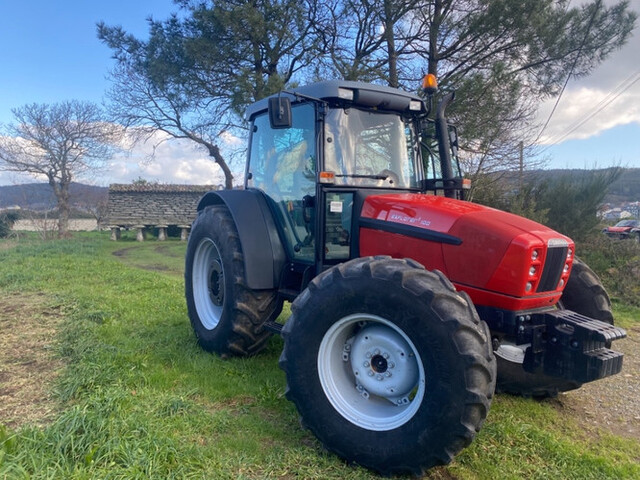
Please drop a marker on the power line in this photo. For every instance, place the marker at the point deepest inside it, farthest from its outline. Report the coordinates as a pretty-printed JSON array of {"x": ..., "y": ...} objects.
[
  {"x": 604, "y": 103},
  {"x": 573, "y": 66},
  {"x": 612, "y": 95}
]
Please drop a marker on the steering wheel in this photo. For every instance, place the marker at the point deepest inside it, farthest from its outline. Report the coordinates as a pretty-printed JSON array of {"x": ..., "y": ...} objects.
[{"x": 392, "y": 177}]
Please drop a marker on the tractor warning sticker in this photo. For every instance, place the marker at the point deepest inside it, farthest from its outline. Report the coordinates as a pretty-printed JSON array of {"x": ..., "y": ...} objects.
[{"x": 335, "y": 207}]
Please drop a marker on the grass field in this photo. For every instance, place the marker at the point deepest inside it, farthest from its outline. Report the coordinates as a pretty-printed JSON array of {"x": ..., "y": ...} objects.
[{"x": 107, "y": 381}]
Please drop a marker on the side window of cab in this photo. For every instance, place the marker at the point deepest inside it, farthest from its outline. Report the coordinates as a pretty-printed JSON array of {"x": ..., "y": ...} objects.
[{"x": 282, "y": 163}]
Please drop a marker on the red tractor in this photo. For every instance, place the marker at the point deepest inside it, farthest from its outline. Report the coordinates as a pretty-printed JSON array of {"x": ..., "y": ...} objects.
[{"x": 410, "y": 306}]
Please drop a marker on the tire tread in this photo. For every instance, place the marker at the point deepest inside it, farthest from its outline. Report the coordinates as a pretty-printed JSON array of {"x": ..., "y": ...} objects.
[{"x": 249, "y": 309}]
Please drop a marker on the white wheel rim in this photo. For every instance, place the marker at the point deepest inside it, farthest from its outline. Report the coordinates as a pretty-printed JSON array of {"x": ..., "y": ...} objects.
[
  {"x": 208, "y": 283},
  {"x": 371, "y": 372}
]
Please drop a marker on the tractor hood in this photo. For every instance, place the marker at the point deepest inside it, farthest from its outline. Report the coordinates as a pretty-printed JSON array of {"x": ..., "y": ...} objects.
[{"x": 480, "y": 249}]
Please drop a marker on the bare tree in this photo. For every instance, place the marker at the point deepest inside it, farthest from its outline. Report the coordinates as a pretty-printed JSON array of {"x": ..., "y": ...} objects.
[
  {"x": 194, "y": 76},
  {"x": 59, "y": 142},
  {"x": 145, "y": 108}
]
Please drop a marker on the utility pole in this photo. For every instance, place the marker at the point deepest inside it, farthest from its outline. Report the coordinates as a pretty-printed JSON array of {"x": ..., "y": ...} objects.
[{"x": 521, "y": 177}]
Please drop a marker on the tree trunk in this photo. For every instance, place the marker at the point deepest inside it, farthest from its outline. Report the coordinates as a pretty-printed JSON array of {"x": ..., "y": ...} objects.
[
  {"x": 61, "y": 192},
  {"x": 433, "y": 37},
  {"x": 389, "y": 34},
  {"x": 63, "y": 219},
  {"x": 214, "y": 151}
]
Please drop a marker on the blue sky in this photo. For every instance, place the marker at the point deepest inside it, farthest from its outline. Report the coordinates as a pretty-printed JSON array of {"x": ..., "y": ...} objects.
[
  {"x": 50, "y": 53},
  {"x": 618, "y": 146}
]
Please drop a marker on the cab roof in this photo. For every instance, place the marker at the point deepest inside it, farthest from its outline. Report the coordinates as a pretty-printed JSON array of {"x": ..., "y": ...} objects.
[{"x": 364, "y": 95}]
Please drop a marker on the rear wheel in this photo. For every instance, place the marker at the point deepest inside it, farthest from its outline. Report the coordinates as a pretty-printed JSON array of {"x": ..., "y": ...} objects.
[
  {"x": 388, "y": 365},
  {"x": 583, "y": 294},
  {"x": 227, "y": 316}
]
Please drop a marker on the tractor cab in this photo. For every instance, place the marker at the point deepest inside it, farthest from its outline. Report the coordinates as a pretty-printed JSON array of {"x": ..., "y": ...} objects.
[{"x": 319, "y": 151}]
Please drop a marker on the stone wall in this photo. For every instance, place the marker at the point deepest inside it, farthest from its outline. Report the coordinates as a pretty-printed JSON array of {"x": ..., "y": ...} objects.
[
  {"x": 161, "y": 206},
  {"x": 152, "y": 205}
]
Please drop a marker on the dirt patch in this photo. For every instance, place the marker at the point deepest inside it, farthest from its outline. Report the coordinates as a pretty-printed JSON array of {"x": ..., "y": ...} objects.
[
  {"x": 7, "y": 244},
  {"x": 123, "y": 252},
  {"x": 612, "y": 403},
  {"x": 156, "y": 268},
  {"x": 126, "y": 252},
  {"x": 167, "y": 252},
  {"x": 145, "y": 261},
  {"x": 28, "y": 365}
]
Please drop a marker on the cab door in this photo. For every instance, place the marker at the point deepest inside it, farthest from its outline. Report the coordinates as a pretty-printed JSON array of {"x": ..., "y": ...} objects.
[{"x": 283, "y": 164}]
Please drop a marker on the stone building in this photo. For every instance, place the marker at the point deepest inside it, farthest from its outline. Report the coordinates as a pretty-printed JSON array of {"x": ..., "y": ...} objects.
[{"x": 140, "y": 207}]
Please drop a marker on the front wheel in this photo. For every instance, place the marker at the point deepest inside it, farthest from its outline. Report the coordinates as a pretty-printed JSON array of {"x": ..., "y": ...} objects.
[
  {"x": 388, "y": 365},
  {"x": 227, "y": 316}
]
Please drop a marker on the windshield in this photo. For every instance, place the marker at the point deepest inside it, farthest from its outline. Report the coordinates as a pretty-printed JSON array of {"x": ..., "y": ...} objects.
[{"x": 370, "y": 149}]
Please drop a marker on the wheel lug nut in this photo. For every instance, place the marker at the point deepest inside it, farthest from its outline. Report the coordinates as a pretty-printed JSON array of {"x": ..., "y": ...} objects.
[
  {"x": 385, "y": 355},
  {"x": 376, "y": 351},
  {"x": 379, "y": 377},
  {"x": 368, "y": 355},
  {"x": 388, "y": 374},
  {"x": 392, "y": 365},
  {"x": 370, "y": 373},
  {"x": 365, "y": 364}
]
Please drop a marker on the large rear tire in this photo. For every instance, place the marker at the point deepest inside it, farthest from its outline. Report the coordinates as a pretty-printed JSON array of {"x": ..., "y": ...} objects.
[
  {"x": 227, "y": 316},
  {"x": 388, "y": 365},
  {"x": 583, "y": 294}
]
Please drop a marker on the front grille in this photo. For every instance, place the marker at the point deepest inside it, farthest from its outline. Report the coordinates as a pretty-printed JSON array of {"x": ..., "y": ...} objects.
[{"x": 553, "y": 266}]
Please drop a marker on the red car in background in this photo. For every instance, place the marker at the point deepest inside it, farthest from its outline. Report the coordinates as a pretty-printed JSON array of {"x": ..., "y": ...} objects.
[{"x": 624, "y": 229}]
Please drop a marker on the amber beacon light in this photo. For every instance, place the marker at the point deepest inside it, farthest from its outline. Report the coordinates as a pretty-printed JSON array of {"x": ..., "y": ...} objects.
[{"x": 430, "y": 84}]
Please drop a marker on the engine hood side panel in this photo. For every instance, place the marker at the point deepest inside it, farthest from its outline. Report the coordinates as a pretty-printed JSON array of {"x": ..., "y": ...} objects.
[{"x": 492, "y": 253}]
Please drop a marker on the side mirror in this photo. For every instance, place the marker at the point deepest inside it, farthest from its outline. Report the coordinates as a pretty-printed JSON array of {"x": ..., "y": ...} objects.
[{"x": 280, "y": 112}]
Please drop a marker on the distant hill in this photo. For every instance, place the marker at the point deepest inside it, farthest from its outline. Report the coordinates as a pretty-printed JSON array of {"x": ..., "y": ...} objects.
[
  {"x": 39, "y": 196},
  {"x": 625, "y": 189}
]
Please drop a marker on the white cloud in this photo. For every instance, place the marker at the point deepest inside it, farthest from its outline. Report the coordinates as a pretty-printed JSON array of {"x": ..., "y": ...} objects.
[
  {"x": 12, "y": 178},
  {"x": 231, "y": 140},
  {"x": 167, "y": 160},
  {"x": 158, "y": 159},
  {"x": 586, "y": 112},
  {"x": 597, "y": 103}
]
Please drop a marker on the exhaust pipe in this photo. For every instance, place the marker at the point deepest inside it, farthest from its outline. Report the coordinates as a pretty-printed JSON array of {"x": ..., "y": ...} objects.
[{"x": 444, "y": 145}]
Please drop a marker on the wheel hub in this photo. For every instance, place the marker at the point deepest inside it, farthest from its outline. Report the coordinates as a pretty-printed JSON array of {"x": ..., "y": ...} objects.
[
  {"x": 370, "y": 372},
  {"x": 383, "y": 363},
  {"x": 379, "y": 364},
  {"x": 216, "y": 283}
]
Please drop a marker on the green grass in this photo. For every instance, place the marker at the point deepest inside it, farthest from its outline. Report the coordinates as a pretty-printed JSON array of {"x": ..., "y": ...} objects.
[{"x": 139, "y": 399}]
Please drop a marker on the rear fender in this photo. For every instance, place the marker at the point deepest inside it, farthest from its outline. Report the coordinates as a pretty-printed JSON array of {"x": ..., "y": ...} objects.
[{"x": 264, "y": 255}]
